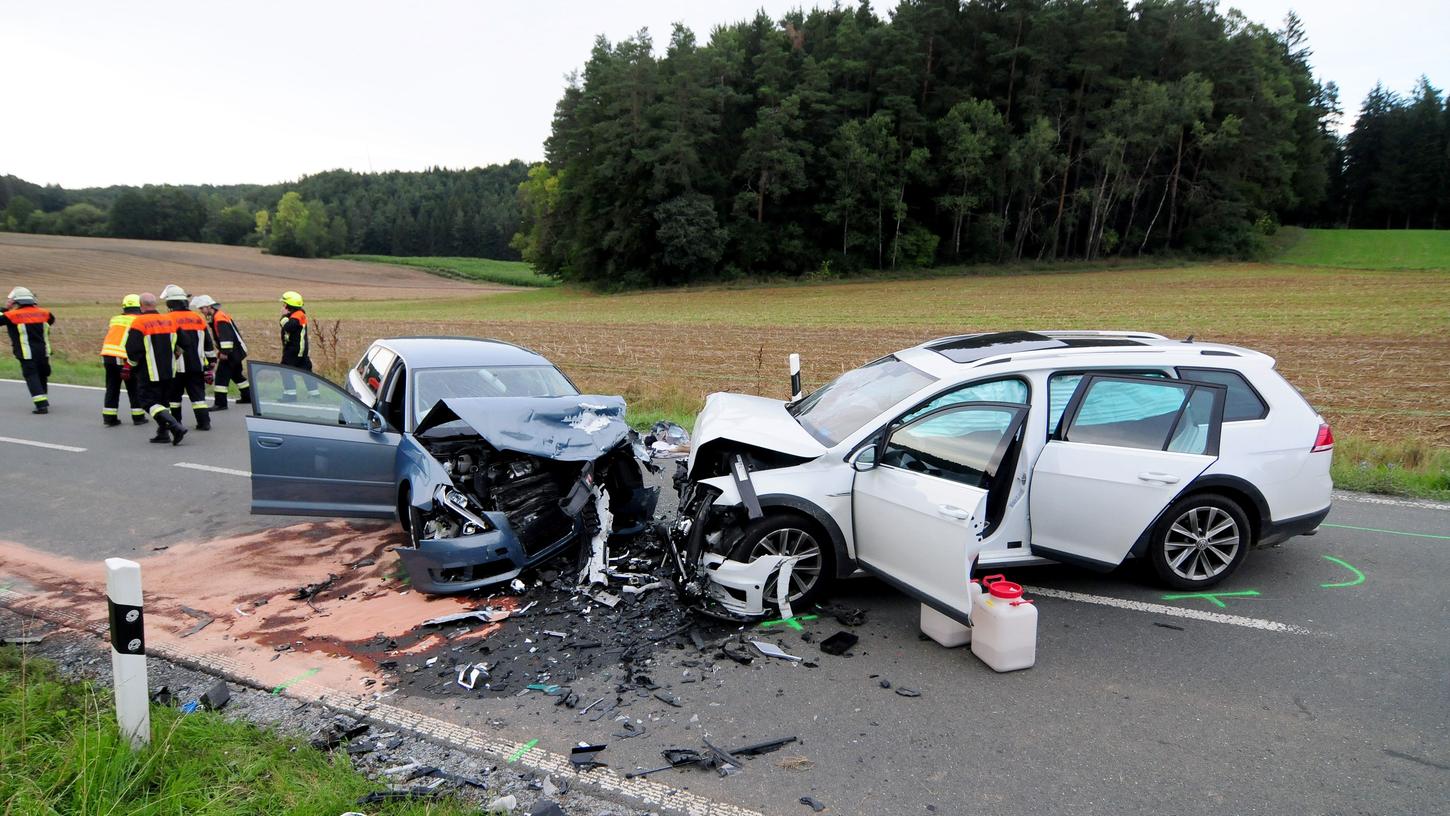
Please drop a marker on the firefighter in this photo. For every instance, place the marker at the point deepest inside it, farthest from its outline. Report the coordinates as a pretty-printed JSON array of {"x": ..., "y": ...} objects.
[
  {"x": 151, "y": 353},
  {"x": 195, "y": 356},
  {"x": 29, "y": 327},
  {"x": 231, "y": 352},
  {"x": 295, "y": 350},
  {"x": 118, "y": 371}
]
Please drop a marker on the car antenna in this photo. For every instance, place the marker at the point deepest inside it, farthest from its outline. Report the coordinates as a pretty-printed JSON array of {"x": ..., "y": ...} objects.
[{"x": 1188, "y": 339}]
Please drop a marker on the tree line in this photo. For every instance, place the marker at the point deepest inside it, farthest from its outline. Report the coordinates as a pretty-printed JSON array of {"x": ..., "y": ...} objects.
[
  {"x": 472, "y": 213},
  {"x": 987, "y": 130}
]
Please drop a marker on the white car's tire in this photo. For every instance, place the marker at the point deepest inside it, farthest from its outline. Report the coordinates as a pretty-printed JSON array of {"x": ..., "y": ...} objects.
[
  {"x": 1199, "y": 541},
  {"x": 788, "y": 533}
]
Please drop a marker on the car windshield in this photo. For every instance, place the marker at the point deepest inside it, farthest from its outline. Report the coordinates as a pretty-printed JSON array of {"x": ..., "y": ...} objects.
[
  {"x": 844, "y": 405},
  {"x": 433, "y": 384}
]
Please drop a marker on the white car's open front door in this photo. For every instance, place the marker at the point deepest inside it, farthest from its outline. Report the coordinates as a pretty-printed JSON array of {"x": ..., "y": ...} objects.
[
  {"x": 1126, "y": 447},
  {"x": 919, "y": 506}
]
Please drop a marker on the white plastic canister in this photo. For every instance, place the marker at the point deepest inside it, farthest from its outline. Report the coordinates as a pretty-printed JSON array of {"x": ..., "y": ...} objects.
[
  {"x": 1004, "y": 626},
  {"x": 947, "y": 631}
]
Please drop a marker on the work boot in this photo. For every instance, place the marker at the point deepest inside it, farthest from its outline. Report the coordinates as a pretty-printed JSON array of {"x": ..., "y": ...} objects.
[
  {"x": 110, "y": 420},
  {"x": 245, "y": 395},
  {"x": 40, "y": 408},
  {"x": 139, "y": 419},
  {"x": 220, "y": 403},
  {"x": 162, "y": 434},
  {"x": 203, "y": 418},
  {"x": 177, "y": 429}
]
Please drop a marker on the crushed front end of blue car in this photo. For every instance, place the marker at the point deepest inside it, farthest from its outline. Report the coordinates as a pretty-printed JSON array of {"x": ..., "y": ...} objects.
[{"x": 497, "y": 485}]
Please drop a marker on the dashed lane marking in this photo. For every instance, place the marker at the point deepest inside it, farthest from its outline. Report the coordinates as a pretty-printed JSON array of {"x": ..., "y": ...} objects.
[
  {"x": 1173, "y": 611},
  {"x": 214, "y": 469},
  {"x": 50, "y": 445}
]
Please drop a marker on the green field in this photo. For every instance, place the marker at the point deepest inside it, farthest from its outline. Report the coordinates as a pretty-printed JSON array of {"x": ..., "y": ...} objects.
[
  {"x": 61, "y": 752},
  {"x": 1366, "y": 249},
  {"x": 513, "y": 273}
]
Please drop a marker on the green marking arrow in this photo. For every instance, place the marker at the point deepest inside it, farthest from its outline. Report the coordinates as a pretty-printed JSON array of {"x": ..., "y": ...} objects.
[
  {"x": 1358, "y": 576},
  {"x": 299, "y": 678},
  {"x": 1213, "y": 597},
  {"x": 793, "y": 622},
  {"x": 523, "y": 749}
]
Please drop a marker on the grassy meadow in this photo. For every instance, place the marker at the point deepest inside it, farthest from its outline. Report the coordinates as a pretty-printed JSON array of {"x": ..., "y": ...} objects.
[
  {"x": 513, "y": 273},
  {"x": 1370, "y": 348}
]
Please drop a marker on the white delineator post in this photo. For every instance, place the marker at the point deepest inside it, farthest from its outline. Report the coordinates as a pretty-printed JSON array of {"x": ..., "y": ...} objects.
[
  {"x": 128, "y": 650},
  {"x": 795, "y": 377}
]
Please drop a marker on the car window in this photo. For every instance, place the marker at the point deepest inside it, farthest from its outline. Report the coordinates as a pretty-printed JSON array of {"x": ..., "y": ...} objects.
[
  {"x": 433, "y": 384},
  {"x": 1128, "y": 414},
  {"x": 300, "y": 396},
  {"x": 1242, "y": 403},
  {"x": 959, "y": 444},
  {"x": 1060, "y": 388},
  {"x": 1191, "y": 435},
  {"x": 1010, "y": 389},
  {"x": 844, "y": 405}
]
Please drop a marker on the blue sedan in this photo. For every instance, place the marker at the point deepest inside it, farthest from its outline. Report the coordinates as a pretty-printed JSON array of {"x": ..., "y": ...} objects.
[{"x": 485, "y": 452}]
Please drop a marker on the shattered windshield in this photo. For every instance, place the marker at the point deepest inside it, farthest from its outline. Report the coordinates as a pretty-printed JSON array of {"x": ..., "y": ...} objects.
[
  {"x": 842, "y": 406},
  {"x": 433, "y": 384}
]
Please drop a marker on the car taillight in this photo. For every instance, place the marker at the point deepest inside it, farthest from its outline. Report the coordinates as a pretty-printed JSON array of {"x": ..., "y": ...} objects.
[{"x": 1324, "y": 440}]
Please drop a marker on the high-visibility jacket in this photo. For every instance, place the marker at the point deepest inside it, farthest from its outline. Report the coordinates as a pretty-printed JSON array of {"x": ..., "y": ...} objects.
[
  {"x": 151, "y": 345},
  {"x": 228, "y": 336},
  {"x": 194, "y": 345},
  {"x": 294, "y": 336},
  {"x": 115, "y": 343},
  {"x": 29, "y": 331}
]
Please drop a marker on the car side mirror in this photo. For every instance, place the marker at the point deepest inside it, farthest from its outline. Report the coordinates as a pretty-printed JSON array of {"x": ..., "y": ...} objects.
[
  {"x": 864, "y": 459},
  {"x": 376, "y": 423}
]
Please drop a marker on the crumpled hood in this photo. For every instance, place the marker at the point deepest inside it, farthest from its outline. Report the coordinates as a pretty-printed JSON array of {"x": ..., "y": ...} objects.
[
  {"x": 569, "y": 429},
  {"x": 756, "y": 421}
]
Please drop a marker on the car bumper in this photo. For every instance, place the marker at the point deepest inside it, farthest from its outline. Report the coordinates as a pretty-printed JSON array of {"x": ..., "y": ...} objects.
[
  {"x": 1277, "y": 532},
  {"x": 466, "y": 563}
]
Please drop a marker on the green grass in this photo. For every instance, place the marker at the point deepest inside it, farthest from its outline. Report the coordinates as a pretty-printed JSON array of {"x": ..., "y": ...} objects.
[
  {"x": 1366, "y": 249},
  {"x": 61, "y": 752},
  {"x": 513, "y": 273},
  {"x": 1401, "y": 469}
]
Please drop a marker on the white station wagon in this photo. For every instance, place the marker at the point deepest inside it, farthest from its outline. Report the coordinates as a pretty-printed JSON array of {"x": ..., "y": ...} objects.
[{"x": 1001, "y": 450}]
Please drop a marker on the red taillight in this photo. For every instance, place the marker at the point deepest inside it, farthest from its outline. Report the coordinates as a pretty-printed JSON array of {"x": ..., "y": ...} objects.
[{"x": 1324, "y": 440}]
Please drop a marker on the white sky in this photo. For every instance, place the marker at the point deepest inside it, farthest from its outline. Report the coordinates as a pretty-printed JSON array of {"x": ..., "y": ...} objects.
[{"x": 103, "y": 92}]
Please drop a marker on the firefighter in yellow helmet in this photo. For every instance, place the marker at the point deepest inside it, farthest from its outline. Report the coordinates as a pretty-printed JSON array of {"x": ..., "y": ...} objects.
[
  {"x": 118, "y": 371},
  {"x": 296, "y": 351},
  {"x": 29, "y": 327}
]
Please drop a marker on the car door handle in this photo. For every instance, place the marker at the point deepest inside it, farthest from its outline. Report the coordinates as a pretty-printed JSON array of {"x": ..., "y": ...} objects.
[
  {"x": 270, "y": 441},
  {"x": 1165, "y": 478},
  {"x": 952, "y": 511}
]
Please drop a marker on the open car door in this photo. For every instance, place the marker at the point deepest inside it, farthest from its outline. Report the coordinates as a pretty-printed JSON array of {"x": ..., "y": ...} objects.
[
  {"x": 920, "y": 509},
  {"x": 1125, "y": 449},
  {"x": 315, "y": 449}
]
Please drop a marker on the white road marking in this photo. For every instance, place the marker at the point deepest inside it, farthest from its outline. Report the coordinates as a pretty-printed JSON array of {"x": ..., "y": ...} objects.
[
  {"x": 58, "y": 385},
  {"x": 1367, "y": 498},
  {"x": 215, "y": 469},
  {"x": 50, "y": 445},
  {"x": 1174, "y": 611}
]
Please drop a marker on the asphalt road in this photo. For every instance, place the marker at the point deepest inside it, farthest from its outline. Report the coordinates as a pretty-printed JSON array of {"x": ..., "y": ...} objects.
[{"x": 1321, "y": 694}]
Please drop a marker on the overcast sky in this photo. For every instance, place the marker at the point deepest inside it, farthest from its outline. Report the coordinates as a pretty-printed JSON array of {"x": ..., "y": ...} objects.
[{"x": 191, "y": 92}]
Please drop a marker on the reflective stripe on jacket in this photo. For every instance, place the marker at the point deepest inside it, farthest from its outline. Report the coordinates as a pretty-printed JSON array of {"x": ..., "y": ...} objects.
[
  {"x": 192, "y": 341},
  {"x": 115, "y": 343},
  {"x": 152, "y": 340},
  {"x": 228, "y": 336},
  {"x": 29, "y": 331},
  {"x": 294, "y": 336}
]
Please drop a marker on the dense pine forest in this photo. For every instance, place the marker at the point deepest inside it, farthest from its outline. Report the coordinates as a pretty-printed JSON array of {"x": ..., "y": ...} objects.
[{"x": 842, "y": 139}]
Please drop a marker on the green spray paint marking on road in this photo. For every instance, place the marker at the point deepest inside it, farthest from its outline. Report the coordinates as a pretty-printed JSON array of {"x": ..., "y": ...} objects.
[
  {"x": 1358, "y": 576},
  {"x": 1213, "y": 597},
  {"x": 1390, "y": 532},
  {"x": 793, "y": 622},
  {"x": 523, "y": 749},
  {"x": 299, "y": 678}
]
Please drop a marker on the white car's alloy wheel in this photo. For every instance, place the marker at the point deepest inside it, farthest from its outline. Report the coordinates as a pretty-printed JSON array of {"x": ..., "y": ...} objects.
[
  {"x": 1202, "y": 543},
  {"x": 797, "y": 542}
]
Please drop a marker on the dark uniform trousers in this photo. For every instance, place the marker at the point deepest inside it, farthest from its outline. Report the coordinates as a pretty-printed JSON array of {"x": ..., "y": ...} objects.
[
  {"x": 154, "y": 394},
  {"x": 111, "y": 404},
  {"x": 191, "y": 384},
  {"x": 36, "y": 374}
]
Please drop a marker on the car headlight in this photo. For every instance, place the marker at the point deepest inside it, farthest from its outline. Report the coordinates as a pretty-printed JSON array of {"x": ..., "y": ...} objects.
[{"x": 462, "y": 506}]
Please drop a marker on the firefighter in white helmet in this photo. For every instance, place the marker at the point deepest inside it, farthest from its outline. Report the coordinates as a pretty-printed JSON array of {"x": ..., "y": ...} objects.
[{"x": 29, "y": 327}]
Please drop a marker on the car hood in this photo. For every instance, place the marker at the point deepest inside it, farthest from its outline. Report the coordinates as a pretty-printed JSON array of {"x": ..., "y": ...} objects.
[
  {"x": 756, "y": 421},
  {"x": 568, "y": 429}
]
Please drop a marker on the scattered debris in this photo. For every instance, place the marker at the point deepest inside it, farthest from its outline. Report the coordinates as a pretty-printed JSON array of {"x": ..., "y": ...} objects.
[
  {"x": 468, "y": 676},
  {"x": 335, "y": 731},
  {"x": 216, "y": 696},
  {"x": 1169, "y": 626},
  {"x": 203, "y": 620},
  {"x": 839, "y": 643},
  {"x": 502, "y": 805},
  {"x": 27, "y": 640},
  {"x": 772, "y": 650},
  {"x": 362, "y": 562},
  {"x": 906, "y": 692},
  {"x": 886, "y": 684},
  {"x": 483, "y": 615},
  {"x": 723, "y": 761},
  {"x": 814, "y": 804},
  {"x": 311, "y": 591},
  {"x": 668, "y": 699},
  {"x": 163, "y": 697},
  {"x": 585, "y": 756},
  {"x": 544, "y": 807},
  {"x": 629, "y": 729},
  {"x": 395, "y": 795},
  {"x": 667, "y": 440},
  {"x": 797, "y": 763},
  {"x": 851, "y": 617},
  {"x": 517, "y": 586}
]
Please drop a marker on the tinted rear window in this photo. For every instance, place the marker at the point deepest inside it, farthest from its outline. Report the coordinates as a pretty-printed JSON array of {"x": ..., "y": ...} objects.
[{"x": 1243, "y": 403}]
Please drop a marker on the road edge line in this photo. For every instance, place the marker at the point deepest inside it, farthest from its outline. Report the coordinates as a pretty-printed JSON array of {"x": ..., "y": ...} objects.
[{"x": 1174, "y": 611}]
